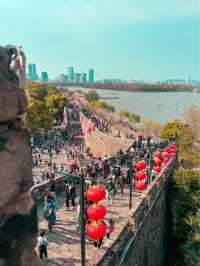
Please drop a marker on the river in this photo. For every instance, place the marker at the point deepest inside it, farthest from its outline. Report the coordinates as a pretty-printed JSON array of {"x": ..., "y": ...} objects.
[{"x": 160, "y": 106}]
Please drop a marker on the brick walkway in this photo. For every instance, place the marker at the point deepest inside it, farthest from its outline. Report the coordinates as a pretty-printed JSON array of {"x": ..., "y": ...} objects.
[{"x": 64, "y": 241}]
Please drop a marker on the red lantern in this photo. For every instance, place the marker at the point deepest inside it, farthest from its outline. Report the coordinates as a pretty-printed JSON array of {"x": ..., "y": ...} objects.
[
  {"x": 96, "y": 193},
  {"x": 166, "y": 155},
  {"x": 166, "y": 160},
  {"x": 141, "y": 165},
  {"x": 173, "y": 146},
  {"x": 157, "y": 161},
  {"x": 157, "y": 169},
  {"x": 96, "y": 212},
  {"x": 140, "y": 186},
  {"x": 172, "y": 150},
  {"x": 96, "y": 230},
  {"x": 158, "y": 154},
  {"x": 140, "y": 175},
  {"x": 167, "y": 149},
  {"x": 88, "y": 130}
]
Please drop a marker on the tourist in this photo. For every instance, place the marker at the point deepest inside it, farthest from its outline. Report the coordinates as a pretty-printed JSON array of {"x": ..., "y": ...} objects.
[
  {"x": 110, "y": 227},
  {"x": 72, "y": 192},
  {"x": 67, "y": 194},
  {"x": 49, "y": 211},
  {"x": 42, "y": 245},
  {"x": 111, "y": 190}
]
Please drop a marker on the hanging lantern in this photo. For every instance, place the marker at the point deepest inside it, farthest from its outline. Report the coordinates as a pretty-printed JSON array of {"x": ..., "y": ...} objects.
[
  {"x": 140, "y": 186},
  {"x": 96, "y": 193},
  {"x": 166, "y": 155},
  {"x": 96, "y": 230},
  {"x": 72, "y": 162},
  {"x": 166, "y": 160},
  {"x": 173, "y": 146},
  {"x": 141, "y": 165},
  {"x": 157, "y": 169},
  {"x": 140, "y": 175},
  {"x": 167, "y": 149},
  {"x": 96, "y": 212},
  {"x": 157, "y": 161},
  {"x": 88, "y": 130},
  {"x": 158, "y": 154}
]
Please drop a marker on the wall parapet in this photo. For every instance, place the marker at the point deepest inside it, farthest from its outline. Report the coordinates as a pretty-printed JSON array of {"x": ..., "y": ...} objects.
[{"x": 128, "y": 238}]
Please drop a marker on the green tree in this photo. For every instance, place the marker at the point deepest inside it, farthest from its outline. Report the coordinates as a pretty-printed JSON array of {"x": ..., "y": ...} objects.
[
  {"x": 38, "y": 93},
  {"x": 184, "y": 209},
  {"x": 92, "y": 96},
  {"x": 124, "y": 113},
  {"x": 38, "y": 115},
  {"x": 103, "y": 105},
  {"x": 56, "y": 103}
]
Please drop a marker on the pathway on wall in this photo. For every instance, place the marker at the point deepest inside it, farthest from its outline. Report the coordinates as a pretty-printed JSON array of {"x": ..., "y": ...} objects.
[{"x": 64, "y": 241}]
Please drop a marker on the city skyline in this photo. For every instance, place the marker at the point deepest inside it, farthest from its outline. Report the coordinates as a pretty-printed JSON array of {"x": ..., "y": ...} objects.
[{"x": 128, "y": 40}]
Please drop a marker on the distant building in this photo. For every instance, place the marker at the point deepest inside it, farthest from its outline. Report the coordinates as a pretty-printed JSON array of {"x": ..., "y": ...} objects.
[
  {"x": 176, "y": 81},
  {"x": 91, "y": 76},
  {"x": 32, "y": 73},
  {"x": 189, "y": 80},
  {"x": 44, "y": 76},
  {"x": 70, "y": 73},
  {"x": 83, "y": 77},
  {"x": 77, "y": 77},
  {"x": 62, "y": 78}
]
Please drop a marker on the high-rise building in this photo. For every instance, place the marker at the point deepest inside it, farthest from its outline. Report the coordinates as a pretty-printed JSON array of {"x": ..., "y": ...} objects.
[
  {"x": 70, "y": 73},
  {"x": 83, "y": 77},
  {"x": 62, "y": 78},
  {"x": 77, "y": 77},
  {"x": 44, "y": 76},
  {"x": 32, "y": 73},
  {"x": 91, "y": 75},
  {"x": 188, "y": 80}
]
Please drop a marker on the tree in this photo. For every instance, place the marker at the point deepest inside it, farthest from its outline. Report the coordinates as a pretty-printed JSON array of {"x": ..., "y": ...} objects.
[
  {"x": 92, "y": 96},
  {"x": 152, "y": 127},
  {"x": 38, "y": 93},
  {"x": 124, "y": 113},
  {"x": 192, "y": 118},
  {"x": 103, "y": 105},
  {"x": 38, "y": 115},
  {"x": 56, "y": 103},
  {"x": 184, "y": 208}
]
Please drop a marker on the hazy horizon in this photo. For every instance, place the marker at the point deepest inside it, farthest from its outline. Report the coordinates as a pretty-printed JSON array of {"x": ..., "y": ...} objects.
[{"x": 118, "y": 39}]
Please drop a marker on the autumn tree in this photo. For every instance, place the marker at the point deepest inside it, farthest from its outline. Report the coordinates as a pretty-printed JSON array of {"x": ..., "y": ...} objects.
[
  {"x": 38, "y": 115},
  {"x": 56, "y": 103}
]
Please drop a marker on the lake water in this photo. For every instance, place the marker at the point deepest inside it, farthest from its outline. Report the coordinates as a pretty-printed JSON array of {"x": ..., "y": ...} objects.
[{"x": 160, "y": 106}]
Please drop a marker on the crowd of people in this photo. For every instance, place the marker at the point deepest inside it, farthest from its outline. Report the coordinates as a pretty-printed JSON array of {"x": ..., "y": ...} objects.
[{"x": 107, "y": 171}]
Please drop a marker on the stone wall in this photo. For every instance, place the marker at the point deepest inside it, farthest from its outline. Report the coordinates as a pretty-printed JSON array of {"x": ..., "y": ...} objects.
[
  {"x": 142, "y": 241},
  {"x": 18, "y": 222},
  {"x": 102, "y": 144}
]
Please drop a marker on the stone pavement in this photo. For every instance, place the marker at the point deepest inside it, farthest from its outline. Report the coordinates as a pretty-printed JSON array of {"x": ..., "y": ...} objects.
[{"x": 64, "y": 241}]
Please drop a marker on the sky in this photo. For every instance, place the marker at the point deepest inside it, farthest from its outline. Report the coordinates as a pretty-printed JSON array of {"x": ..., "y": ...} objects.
[{"x": 128, "y": 39}]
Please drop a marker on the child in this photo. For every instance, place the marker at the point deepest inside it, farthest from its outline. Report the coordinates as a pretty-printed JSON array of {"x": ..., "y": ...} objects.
[
  {"x": 110, "y": 227},
  {"x": 42, "y": 244}
]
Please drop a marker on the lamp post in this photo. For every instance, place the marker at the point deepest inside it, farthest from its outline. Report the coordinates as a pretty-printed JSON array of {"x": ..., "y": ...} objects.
[
  {"x": 82, "y": 214},
  {"x": 131, "y": 184}
]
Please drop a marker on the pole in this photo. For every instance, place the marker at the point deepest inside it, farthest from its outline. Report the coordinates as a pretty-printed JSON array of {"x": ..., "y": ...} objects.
[
  {"x": 82, "y": 214},
  {"x": 131, "y": 186}
]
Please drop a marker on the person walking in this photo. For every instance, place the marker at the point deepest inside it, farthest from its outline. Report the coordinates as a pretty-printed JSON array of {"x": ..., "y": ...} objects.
[
  {"x": 67, "y": 194},
  {"x": 72, "y": 192},
  {"x": 42, "y": 245}
]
